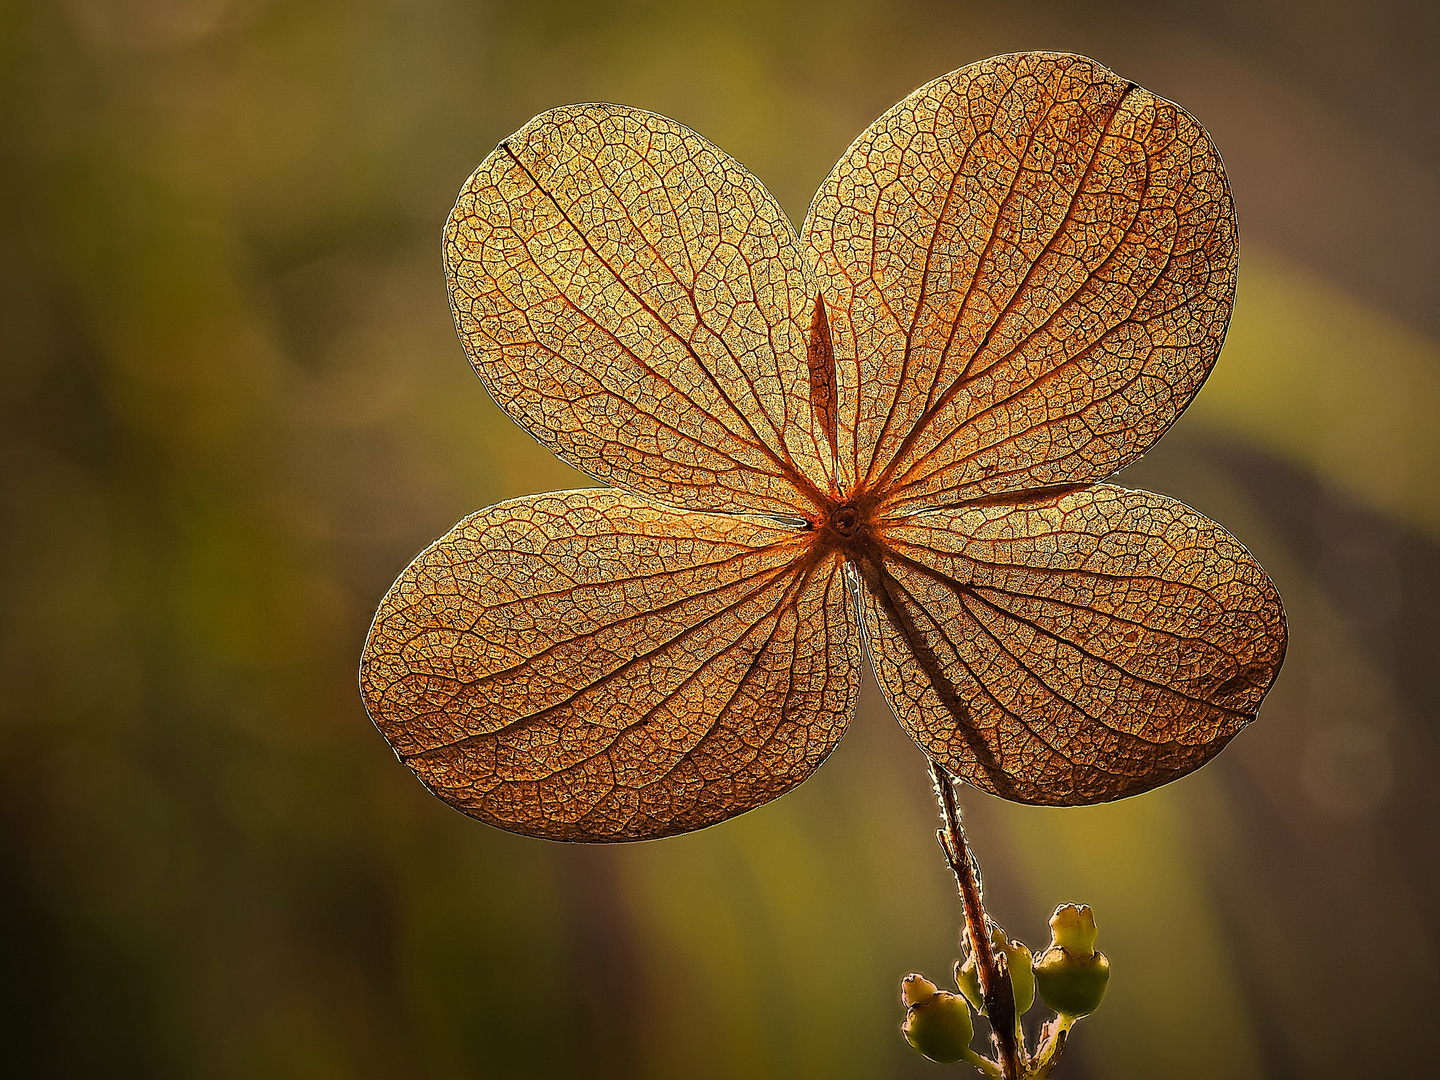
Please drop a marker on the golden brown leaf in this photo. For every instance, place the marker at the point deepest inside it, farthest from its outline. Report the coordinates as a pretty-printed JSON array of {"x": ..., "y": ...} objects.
[
  {"x": 1029, "y": 264},
  {"x": 1073, "y": 648},
  {"x": 1011, "y": 285},
  {"x": 637, "y": 301},
  {"x": 587, "y": 665}
]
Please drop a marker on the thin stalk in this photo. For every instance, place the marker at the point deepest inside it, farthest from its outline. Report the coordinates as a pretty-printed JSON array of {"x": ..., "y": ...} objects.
[
  {"x": 1052, "y": 1042},
  {"x": 995, "y": 985}
]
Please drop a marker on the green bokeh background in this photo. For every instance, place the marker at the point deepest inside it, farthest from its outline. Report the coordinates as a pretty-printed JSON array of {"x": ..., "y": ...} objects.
[{"x": 232, "y": 407}]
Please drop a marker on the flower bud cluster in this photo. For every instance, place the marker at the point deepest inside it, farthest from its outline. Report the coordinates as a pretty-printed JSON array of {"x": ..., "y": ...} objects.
[{"x": 1069, "y": 976}]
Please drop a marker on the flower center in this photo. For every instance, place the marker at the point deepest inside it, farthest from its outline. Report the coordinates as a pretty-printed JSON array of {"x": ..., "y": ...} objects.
[
  {"x": 847, "y": 526},
  {"x": 845, "y": 520}
]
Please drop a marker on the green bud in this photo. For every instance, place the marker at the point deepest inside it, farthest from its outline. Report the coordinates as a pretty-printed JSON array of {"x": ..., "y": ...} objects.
[
  {"x": 937, "y": 1024},
  {"x": 967, "y": 978},
  {"x": 915, "y": 988},
  {"x": 1022, "y": 978},
  {"x": 1070, "y": 975},
  {"x": 1072, "y": 927},
  {"x": 1072, "y": 985},
  {"x": 1018, "y": 958}
]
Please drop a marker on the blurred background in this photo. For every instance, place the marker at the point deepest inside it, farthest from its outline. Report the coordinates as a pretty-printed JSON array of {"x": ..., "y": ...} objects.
[{"x": 233, "y": 406}]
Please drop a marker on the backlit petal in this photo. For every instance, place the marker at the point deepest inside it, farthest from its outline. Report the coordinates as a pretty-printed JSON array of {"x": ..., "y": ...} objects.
[
  {"x": 1074, "y": 648},
  {"x": 638, "y": 302},
  {"x": 588, "y": 666},
  {"x": 1029, "y": 266}
]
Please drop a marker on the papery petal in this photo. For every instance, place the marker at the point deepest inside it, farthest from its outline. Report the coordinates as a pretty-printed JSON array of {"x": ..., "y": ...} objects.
[
  {"x": 637, "y": 301},
  {"x": 585, "y": 665},
  {"x": 1029, "y": 265},
  {"x": 1072, "y": 648}
]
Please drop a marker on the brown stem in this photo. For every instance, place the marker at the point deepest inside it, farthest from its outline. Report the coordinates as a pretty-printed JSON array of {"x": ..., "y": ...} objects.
[{"x": 994, "y": 979}]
